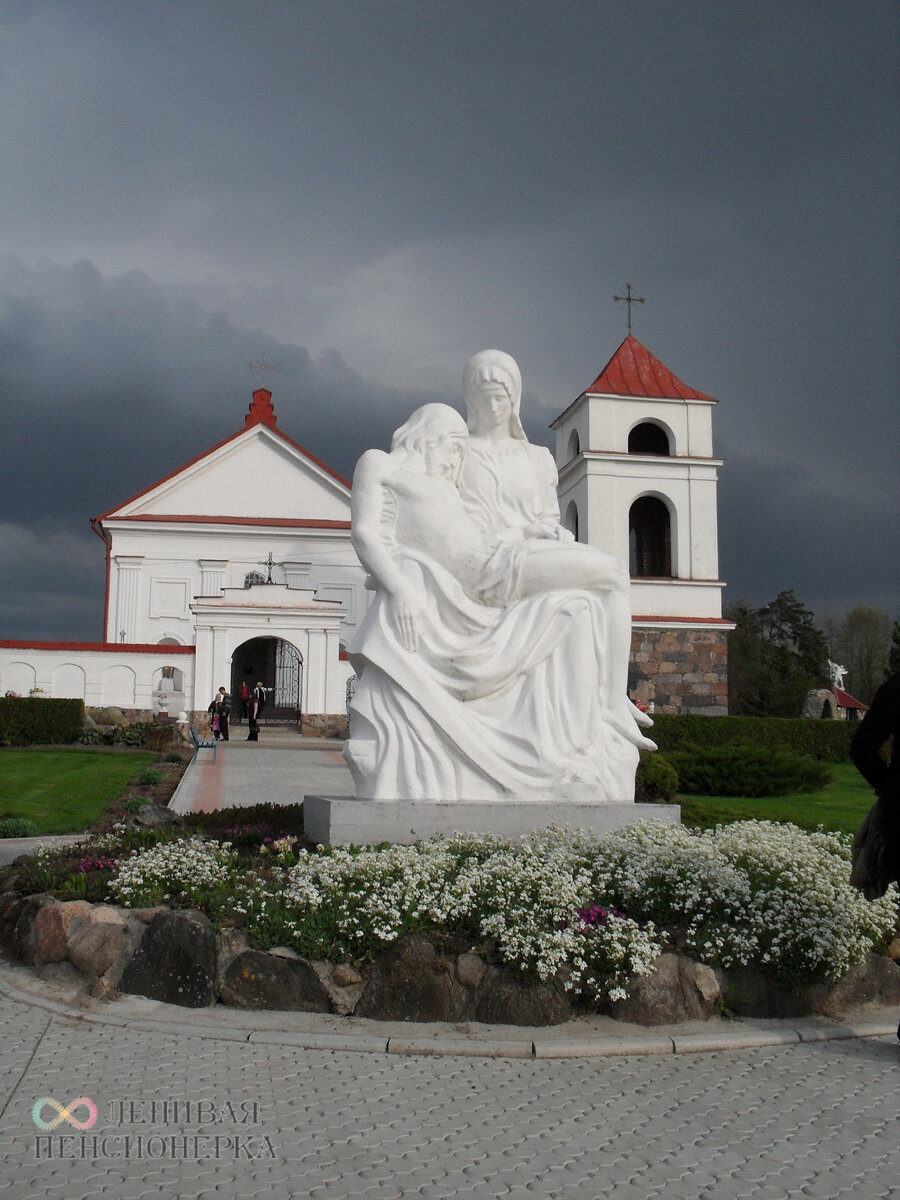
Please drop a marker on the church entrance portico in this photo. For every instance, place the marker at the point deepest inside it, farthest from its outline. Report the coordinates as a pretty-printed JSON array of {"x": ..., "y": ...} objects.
[
  {"x": 278, "y": 666},
  {"x": 283, "y": 637}
]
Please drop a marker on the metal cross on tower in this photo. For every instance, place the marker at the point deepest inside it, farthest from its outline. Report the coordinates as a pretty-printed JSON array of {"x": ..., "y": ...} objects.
[
  {"x": 269, "y": 563},
  {"x": 629, "y": 300},
  {"x": 262, "y": 366}
]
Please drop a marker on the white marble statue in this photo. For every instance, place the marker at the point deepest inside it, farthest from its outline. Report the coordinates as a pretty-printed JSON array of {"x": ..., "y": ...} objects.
[
  {"x": 837, "y": 673},
  {"x": 492, "y": 661}
]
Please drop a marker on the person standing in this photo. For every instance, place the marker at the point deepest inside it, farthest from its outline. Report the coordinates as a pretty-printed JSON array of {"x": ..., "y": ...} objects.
[
  {"x": 220, "y": 708},
  {"x": 245, "y": 699},
  {"x": 252, "y": 718},
  {"x": 876, "y": 847}
]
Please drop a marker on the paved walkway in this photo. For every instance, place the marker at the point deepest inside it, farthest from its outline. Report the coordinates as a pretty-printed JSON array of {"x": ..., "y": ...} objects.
[
  {"x": 213, "y": 1104},
  {"x": 280, "y": 768}
]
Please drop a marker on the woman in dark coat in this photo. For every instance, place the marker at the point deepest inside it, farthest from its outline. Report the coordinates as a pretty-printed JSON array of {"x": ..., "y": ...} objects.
[{"x": 876, "y": 848}]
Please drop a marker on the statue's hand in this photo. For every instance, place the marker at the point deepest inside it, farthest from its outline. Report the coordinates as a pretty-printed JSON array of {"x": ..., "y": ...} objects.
[
  {"x": 564, "y": 535},
  {"x": 406, "y": 620}
]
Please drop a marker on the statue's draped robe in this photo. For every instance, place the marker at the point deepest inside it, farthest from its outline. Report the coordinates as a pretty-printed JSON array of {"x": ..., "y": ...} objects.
[{"x": 494, "y": 702}]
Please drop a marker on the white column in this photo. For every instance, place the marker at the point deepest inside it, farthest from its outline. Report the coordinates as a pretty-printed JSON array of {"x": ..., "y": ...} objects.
[
  {"x": 128, "y": 579},
  {"x": 315, "y": 667},
  {"x": 335, "y": 678}
]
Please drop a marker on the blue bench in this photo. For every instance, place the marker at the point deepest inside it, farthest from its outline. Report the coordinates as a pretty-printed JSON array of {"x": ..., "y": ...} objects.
[{"x": 199, "y": 744}]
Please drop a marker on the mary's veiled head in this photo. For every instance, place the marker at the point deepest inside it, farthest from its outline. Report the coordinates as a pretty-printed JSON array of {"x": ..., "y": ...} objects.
[{"x": 483, "y": 373}]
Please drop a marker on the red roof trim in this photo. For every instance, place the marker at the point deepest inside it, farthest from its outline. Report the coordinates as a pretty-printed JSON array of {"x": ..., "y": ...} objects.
[
  {"x": 104, "y": 647},
  {"x": 257, "y": 419},
  {"x": 634, "y": 371},
  {"x": 845, "y": 700},
  {"x": 281, "y": 522},
  {"x": 684, "y": 620}
]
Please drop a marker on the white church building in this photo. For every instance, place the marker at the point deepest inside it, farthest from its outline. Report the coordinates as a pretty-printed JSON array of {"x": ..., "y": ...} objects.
[{"x": 238, "y": 567}]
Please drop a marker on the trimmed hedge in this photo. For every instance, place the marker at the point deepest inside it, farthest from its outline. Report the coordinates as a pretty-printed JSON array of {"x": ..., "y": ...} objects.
[
  {"x": 825, "y": 741},
  {"x": 743, "y": 770},
  {"x": 141, "y": 733},
  {"x": 30, "y": 721},
  {"x": 656, "y": 781}
]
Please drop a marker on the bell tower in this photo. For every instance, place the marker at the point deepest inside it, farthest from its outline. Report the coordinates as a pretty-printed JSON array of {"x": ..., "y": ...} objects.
[{"x": 638, "y": 479}]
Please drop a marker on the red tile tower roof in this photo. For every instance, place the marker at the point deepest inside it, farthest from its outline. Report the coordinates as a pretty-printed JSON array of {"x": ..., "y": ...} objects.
[{"x": 634, "y": 371}]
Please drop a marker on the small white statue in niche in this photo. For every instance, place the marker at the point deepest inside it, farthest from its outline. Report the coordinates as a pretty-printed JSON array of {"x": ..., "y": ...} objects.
[{"x": 493, "y": 660}]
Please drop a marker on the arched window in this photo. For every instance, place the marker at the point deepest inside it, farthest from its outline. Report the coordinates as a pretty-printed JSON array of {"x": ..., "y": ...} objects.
[
  {"x": 571, "y": 521},
  {"x": 253, "y": 577},
  {"x": 648, "y": 438},
  {"x": 574, "y": 446},
  {"x": 649, "y": 539}
]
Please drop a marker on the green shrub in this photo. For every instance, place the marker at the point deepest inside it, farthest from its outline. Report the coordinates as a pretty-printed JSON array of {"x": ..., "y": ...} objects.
[
  {"x": 656, "y": 780},
  {"x": 32, "y": 721},
  {"x": 160, "y": 737},
  {"x": 825, "y": 741},
  {"x": 17, "y": 827},
  {"x": 150, "y": 777},
  {"x": 263, "y": 820},
  {"x": 743, "y": 770}
]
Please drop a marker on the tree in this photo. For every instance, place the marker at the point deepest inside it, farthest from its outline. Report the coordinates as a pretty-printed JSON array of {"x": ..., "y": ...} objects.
[
  {"x": 775, "y": 656},
  {"x": 862, "y": 644}
]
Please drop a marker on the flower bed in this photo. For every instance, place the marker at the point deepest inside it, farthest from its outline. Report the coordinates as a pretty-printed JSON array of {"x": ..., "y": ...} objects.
[{"x": 587, "y": 913}]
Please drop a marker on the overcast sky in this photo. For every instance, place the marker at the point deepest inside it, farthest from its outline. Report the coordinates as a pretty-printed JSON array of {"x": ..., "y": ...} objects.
[{"x": 372, "y": 190}]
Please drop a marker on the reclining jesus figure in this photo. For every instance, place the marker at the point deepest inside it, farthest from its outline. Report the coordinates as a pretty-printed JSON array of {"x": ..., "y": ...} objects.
[{"x": 491, "y": 664}]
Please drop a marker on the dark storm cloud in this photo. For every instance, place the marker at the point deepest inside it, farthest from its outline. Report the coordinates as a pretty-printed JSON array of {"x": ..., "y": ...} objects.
[
  {"x": 110, "y": 384},
  {"x": 371, "y": 192},
  {"x": 782, "y": 530}
]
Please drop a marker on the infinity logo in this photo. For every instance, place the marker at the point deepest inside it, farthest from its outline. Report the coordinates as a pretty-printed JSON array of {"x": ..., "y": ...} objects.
[{"x": 64, "y": 1114}]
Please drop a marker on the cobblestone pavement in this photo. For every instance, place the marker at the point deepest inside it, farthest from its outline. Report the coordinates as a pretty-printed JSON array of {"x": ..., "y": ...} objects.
[{"x": 815, "y": 1119}]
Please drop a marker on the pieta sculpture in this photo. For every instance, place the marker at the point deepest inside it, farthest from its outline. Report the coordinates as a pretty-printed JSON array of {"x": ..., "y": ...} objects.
[{"x": 493, "y": 660}]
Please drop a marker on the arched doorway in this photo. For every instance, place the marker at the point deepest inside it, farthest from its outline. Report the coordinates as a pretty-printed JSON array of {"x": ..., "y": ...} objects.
[{"x": 279, "y": 667}]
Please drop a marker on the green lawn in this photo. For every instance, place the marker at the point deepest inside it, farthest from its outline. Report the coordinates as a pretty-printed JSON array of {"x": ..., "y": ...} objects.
[
  {"x": 839, "y": 806},
  {"x": 65, "y": 790}
]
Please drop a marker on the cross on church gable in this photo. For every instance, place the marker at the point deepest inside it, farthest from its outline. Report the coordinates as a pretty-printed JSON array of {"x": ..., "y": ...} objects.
[{"x": 629, "y": 300}]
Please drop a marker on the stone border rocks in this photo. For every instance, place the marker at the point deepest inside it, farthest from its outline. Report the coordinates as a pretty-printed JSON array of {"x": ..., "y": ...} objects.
[{"x": 176, "y": 956}]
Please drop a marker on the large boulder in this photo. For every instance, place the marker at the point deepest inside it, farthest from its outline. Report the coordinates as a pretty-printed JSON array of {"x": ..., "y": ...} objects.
[
  {"x": 255, "y": 979},
  {"x": 96, "y": 938},
  {"x": 175, "y": 961},
  {"x": 503, "y": 999},
  {"x": 154, "y": 816},
  {"x": 749, "y": 993},
  {"x": 17, "y": 917},
  {"x": 875, "y": 981},
  {"x": 52, "y": 926},
  {"x": 411, "y": 982},
  {"x": 677, "y": 989}
]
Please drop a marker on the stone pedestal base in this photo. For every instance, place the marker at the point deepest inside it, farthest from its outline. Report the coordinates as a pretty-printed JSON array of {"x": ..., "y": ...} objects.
[{"x": 344, "y": 820}]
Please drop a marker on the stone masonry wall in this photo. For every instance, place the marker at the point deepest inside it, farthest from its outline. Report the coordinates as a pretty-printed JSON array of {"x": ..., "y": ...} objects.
[{"x": 680, "y": 670}]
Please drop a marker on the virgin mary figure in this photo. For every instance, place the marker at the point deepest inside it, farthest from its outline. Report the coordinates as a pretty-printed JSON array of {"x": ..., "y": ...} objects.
[{"x": 482, "y": 659}]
